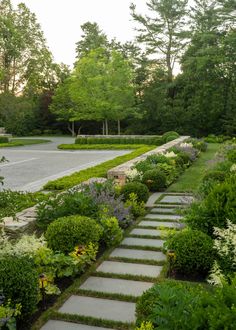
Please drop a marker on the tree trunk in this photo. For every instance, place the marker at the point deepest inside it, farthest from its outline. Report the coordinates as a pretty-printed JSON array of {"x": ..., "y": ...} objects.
[
  {"x": 106, "y": 126},
  {"x": 72, "y": 128},
  {"x": 118, "y": 126},
  {"x": 103, "y": 128}
]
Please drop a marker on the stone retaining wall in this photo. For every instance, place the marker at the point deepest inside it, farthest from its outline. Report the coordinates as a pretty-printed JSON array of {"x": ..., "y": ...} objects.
[{"x": 118, "y": 172}]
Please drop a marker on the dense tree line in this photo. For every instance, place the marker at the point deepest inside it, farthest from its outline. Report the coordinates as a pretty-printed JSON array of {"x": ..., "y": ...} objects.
[{"x": 180, "y": 73}]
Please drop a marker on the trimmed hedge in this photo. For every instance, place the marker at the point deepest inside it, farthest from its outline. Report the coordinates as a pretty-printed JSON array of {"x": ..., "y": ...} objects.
[
  {"x": 4, "y": 139},
  {"x": 119, "y": 140},
  {"x": 96, "y": 171},
  {"x": 101, "y": 146}
]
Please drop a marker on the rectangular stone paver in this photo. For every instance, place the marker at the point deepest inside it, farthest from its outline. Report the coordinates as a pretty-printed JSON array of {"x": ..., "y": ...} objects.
[
  {"x": 156, "y": 224},
  {"x": 100, "y": 308},
  {"x": 147, "y": 232},
  {"x": 61, "y": 325},
  {"x": 113, "y": 285},
  {"x": 143, "y": 242},
  {"x": 181, "y": 199},
  {"x": 164, "y": 210},
  {"x": 138, "y": 254},
  {"x": 125, "y": 268},
  {"x": 173, "y": 217}
]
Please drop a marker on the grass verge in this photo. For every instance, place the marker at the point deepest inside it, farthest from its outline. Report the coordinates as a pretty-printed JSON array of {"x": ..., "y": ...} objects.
[
  {"x": 190, "y": 180},
  {"x": 100, "y": 170},
  {"x": 25, "y": 142}
]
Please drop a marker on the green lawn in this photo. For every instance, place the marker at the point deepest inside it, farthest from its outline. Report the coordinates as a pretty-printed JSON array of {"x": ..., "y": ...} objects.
[
  {"x": 29, "y": 141},
  {"x": 189, "y": 181}
]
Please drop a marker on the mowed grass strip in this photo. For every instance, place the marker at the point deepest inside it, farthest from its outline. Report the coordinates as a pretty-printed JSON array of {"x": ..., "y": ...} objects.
[
  {"x": 100, "y": 170},
  {"x": 190, "y": 180}
]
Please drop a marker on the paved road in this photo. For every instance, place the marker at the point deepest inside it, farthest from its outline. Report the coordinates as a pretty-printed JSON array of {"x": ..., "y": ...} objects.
[{"x": 30, "y": 167}]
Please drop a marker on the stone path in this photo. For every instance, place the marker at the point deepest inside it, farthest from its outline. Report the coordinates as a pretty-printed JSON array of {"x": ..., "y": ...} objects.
[{"x": 109, "y": 294}]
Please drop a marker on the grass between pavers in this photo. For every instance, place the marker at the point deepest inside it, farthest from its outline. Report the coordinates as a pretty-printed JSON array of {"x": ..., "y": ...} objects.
[
  {"x": 190, "y": 180},
  {"x": 91, "y": 321},
  {"x": 141, "y": 247},
  {"x": 145, "y": 236},
  {"x": 106, "y": 295},
  {"x": 102, "y": 146},
  {"x": 100, "y": 170},
  {"x": 137, "y": 261}
]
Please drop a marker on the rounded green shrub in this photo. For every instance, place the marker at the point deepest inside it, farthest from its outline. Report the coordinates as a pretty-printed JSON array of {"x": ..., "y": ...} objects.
[
  {"x": 218, "y": 176},
  {"x": 155, "y": 180},
  {"x": 194, "y": 254},
  {"x": 170, "y": 138},
  {"x": 167, "y": 135},
  {"x": 65, "y": 233},
  {"x": 137, "y": 188},
  {"x": 19, "y": 282}
]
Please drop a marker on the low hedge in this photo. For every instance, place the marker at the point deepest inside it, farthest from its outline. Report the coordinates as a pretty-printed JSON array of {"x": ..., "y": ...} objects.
[
  {"x": 100, "y": 146},
  {"x": 4, "y": 139},
  {"x": 120, "y": 140},
  {"x": 96, "y": 171}
]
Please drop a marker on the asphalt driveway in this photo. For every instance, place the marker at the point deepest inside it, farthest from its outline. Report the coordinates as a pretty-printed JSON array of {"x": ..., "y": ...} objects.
[{"x": 30, "y": 167}]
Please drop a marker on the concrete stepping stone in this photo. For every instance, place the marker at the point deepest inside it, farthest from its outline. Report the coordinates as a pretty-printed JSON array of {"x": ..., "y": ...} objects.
[
  {"x": 163, "y": 210},
  {"x": 131, "y": 241},
  {"x": 138, "y": 254},
  {"x": 173, "y": 217},
  {"x": 146, "y": 232},
  {"x": 156, "y": 224},
  {"x": 106, "y": 309},
  {"x": 61, "y": 325},
  {"x": 177, "y": 199},
  {"x": 114, "y": 285},
  {"x": 174, "y": 206},
  {"x": 125, "y": 268}
]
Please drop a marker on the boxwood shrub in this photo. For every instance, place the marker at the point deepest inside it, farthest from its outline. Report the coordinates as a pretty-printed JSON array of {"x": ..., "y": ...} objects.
[
  {"x": 137, "y": 188},
  {"x": 169, "y": 136},
  {"x": 194, "y": 254},
  {"x": 65, "y": 233},
  {"x": 19, "y": 282},
  {"x": 155, "y": 180},
  {"x": 4, "y": 139}
]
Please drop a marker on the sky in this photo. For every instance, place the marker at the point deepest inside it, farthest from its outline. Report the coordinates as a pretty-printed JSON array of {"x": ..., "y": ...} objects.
[{"x": 60, "y": 21}]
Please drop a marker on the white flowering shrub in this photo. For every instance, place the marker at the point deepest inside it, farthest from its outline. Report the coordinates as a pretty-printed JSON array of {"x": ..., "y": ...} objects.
[
  {"x": 133, "y": 175},
  {"x": 233, "y": 168},
  {"x": 170, "y": 154},
  {"x": 27, "y": 245},
  {"x": 225, "y": 245},
  {"x": 186, "y": 145}
]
